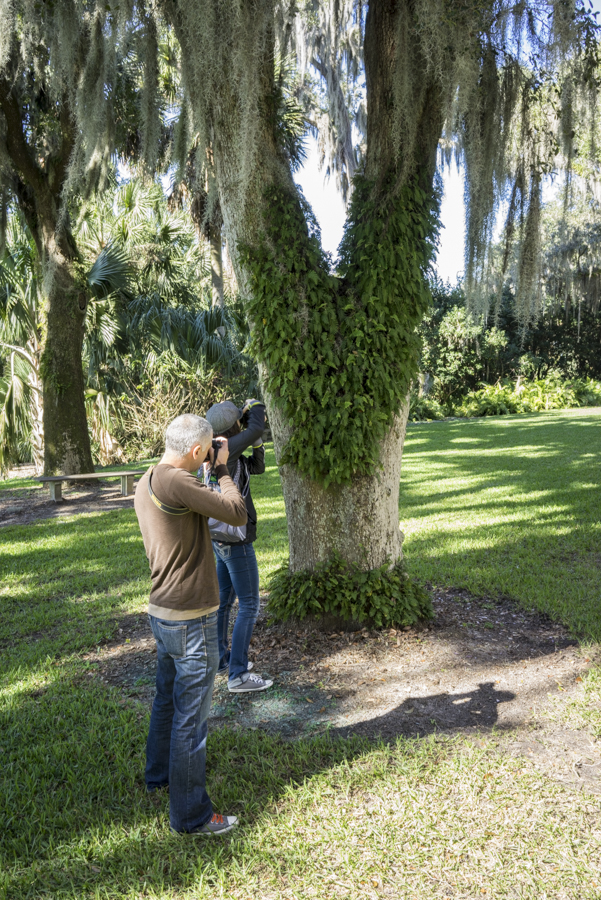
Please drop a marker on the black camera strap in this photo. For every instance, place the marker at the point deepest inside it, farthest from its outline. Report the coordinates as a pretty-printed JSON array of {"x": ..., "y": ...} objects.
[{"x": 170, "y": 510}]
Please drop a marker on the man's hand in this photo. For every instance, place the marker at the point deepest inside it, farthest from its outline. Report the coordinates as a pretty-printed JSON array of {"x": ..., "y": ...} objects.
[{"x": 222, "y": 454}]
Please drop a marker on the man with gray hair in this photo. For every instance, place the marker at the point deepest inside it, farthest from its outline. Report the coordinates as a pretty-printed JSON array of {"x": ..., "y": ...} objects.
[{"x": 173, "y": 506}]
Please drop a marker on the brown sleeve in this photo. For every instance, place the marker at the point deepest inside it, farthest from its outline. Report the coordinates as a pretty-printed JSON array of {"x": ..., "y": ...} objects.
[{"x": 228, "y": 506}]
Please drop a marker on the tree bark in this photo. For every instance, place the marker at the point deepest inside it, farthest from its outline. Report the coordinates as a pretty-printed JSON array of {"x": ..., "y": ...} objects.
[
  {"x": 216, "y": 267},
  {"x": 67, "y": 449},
  {"x": 360, "y": 520}
]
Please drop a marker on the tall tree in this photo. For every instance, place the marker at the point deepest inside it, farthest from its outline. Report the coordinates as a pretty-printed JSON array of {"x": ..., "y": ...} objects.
[
  {"x": 338, "y": 352},
  {"x": 58, "y": 63},
  {"x": 498, "y": 80}
]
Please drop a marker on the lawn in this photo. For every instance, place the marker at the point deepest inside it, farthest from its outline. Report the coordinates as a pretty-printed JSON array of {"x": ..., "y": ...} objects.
[
  {"x": 509, "y": 505},
  {"x": 504, "y": 506},
  {"x": 501, "y": 506}
]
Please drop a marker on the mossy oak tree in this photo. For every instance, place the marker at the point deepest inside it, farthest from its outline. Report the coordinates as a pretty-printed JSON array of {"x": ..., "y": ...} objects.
[
  {"x": 505, "y": 84},
  {"x": 338, "y": 351}
]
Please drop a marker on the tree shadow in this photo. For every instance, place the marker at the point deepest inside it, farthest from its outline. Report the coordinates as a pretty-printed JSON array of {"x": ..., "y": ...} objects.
[
  {"x": 77, "y": 820},
  {"x": 104, "y": 833}
]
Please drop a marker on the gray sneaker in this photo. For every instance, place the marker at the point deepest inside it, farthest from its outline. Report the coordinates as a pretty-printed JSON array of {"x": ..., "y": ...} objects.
[
  {"x": 246, "y": 682},
  {"x": 216, "y": 825},
  {"x": 225, "y": 670}
]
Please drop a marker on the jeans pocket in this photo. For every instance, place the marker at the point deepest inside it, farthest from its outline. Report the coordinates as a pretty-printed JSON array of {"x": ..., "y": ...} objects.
[
  {"x": 173, "y": 638},
  {"x": 224, "y": 551}
]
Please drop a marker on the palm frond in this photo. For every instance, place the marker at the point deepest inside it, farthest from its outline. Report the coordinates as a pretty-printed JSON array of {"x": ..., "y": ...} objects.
[{"x": 110, "y": 272}]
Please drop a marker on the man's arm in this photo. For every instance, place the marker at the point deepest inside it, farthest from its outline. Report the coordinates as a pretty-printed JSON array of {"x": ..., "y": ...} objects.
[
  {"x": 227, "y": 506},
  {"x": 251, "y": 434}
]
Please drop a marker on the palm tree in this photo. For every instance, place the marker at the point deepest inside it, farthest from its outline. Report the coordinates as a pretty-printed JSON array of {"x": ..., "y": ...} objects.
[
  {"x": 21, "y": 409},
  {"x": 21, "y": 397},
  {"x": 148, "y": 317}
]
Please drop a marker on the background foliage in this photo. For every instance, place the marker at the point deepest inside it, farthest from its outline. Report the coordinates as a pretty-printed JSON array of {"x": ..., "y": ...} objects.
[
  {"x": 154, "y": 345},
  {"x": 494, "y": 365}
]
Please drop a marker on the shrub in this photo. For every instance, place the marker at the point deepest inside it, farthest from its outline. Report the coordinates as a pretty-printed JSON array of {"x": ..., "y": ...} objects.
[
  {"x": 425, "y": 409},
  {"x": 381, "y": 597},
  {"x": 492, "y": 400},
  {"x": 552, "y": 392}
]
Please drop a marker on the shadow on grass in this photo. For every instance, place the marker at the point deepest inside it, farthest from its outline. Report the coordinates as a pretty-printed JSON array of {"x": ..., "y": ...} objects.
[
  {"x": 76, "y": 816},
  {"x": 509, "y": 507},
  {"x": 524, "y": 456},
  {"x": 418, "y": 716},
  {"x": 78, "y": 822}
]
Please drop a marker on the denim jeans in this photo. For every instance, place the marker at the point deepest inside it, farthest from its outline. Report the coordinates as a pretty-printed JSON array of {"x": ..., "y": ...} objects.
[
  {"x": 187, "y": 657},
  {"x": 238, "y": 575}
]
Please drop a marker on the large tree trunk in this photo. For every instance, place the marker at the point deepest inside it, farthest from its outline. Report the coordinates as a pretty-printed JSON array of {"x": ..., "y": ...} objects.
[
  {"x": 67, "y": 448},
  {"x": 38, "y": 185},
  {"x": 360, "y": 520}
]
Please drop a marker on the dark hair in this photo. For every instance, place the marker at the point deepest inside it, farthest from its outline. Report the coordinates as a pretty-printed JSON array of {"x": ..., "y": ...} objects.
[{"x": 235, "y": 429}]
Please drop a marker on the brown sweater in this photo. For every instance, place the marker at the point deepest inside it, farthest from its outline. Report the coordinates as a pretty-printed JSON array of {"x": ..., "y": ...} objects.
[{"x": 178, "y": 547}]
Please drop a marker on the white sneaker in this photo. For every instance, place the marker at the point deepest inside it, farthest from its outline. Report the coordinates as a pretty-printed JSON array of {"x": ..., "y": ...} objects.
[{"x": 216, "y": 825}]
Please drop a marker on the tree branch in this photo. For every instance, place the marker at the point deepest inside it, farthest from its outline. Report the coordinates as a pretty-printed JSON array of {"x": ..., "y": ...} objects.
[
  {"x": 59, "y": 161},
  {"x": 17, "y": 147}
]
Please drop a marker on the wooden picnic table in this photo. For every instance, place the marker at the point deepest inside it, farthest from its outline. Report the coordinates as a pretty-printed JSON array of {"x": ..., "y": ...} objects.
[{"x": 55, "y": 482}]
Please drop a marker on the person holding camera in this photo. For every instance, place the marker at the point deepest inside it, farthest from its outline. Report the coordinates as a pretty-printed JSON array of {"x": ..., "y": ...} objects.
[
  {"x": 237, "y": 569},
  {"x": 173, "y": 510}
]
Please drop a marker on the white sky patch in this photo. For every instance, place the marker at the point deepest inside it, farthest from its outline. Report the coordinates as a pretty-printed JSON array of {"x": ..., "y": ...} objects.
[
  {"x": 451, "y": 251},
  {"x": 326, "y": 202},
  {"x": 330, "y": 211}
]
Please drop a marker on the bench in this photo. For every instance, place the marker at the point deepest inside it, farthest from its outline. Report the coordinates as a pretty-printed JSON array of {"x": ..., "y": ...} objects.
[{"x": 55, "y": 482}]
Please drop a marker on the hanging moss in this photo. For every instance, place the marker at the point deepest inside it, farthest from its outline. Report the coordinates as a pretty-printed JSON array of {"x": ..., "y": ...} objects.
[
  {"x": 517, "y": 82},
  {"x": 341, "y": 350}
]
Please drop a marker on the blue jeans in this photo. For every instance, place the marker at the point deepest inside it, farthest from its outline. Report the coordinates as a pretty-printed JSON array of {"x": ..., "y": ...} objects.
[
  {"x": 187, "y": 657},
  {"x": 238, "y": 575}
]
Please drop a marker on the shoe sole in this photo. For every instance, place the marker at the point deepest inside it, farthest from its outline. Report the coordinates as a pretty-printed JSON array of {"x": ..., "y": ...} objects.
[
  {"x": 248, "y": 690},
  {"x": 193, "y": 834},
  {"x": 220, "y": 831}
]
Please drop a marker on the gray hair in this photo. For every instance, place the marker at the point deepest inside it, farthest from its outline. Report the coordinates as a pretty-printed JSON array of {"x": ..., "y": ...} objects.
[{"x": 185, "y": 432}]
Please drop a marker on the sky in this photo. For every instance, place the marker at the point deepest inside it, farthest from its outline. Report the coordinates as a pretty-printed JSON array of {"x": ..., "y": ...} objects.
[
  {"x": 329, "y": 208},
  {"x": 330, "y": 212}
]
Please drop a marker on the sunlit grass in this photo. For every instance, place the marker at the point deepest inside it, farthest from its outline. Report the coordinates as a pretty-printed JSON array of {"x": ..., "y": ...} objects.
[
  {"x": 319, "y": 817},
  {"x": 509, "y": 506},
  {"x": 505, "y": 506}
]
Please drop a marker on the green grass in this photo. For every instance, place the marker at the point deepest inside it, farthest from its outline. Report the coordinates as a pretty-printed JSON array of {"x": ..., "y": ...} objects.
[
  {"x": 65, "y": 581},
  {"x": 322, "y": 818},
  {"x": 500, "y": 506},
  {"x": 509, "y": 506}
]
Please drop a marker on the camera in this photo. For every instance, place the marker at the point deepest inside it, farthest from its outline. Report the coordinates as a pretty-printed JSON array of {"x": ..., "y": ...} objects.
[{"x": 216, "y": 445}]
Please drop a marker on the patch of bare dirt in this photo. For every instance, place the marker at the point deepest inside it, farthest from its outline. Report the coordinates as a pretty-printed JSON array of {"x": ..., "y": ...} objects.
[
  {"x": 482, "y": 666},
  {"x": 24, "y": 505}
]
